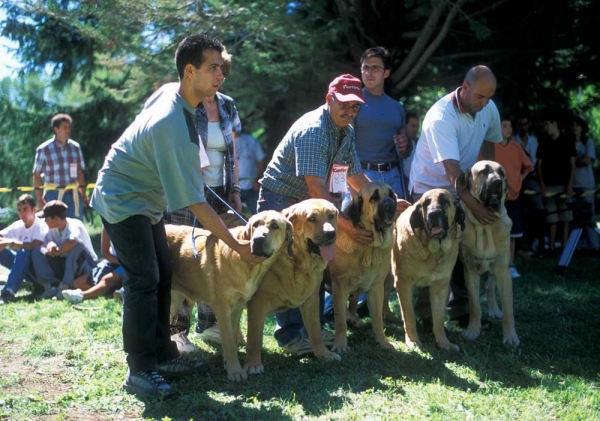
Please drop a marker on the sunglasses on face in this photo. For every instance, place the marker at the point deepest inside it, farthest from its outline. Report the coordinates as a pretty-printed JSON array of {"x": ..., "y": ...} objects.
[{"x": 346, "y": 106}]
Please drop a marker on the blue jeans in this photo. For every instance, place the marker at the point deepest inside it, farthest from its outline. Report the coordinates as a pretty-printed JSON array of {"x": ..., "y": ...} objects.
[
  {"x": 289, "y": 323},
  {"x": 144, "y": 255},
  {"x": 68, "y": 200},
  {"x": 250, "y": 197},
  {"x": 51, "y": 271},
  {"x": 392, "y": 177},
  {"x": 20, "y": 266}
]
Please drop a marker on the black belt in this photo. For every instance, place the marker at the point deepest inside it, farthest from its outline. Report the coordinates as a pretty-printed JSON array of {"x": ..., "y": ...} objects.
[{"x": 386, "y": 166}]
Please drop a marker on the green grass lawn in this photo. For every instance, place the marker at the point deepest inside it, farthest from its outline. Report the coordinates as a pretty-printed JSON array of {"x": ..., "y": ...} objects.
[{"x": 63, "y": 362}]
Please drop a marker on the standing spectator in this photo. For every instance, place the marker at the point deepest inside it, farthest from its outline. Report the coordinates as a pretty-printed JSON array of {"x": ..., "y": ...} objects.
[
  {"x": 318, "y": 143},
  {"x": 455, "y": 130},
  {"x": 517, "y": 165},
  {"x": 155, "y": 162},
  {"x": 218, "y": 124},
  {"x": 412, "y": 133},
  {"x": 584, "y": 175},
  {"x": 556, "y": 169},
  {"x": 251, "y": 164},
  {"x": 67, "y": 255},
  {"x": 60, "y": 162},
  {"x": 104, "y": 279},
  {"x": 380, "y": 125},
  {"x": 17, "y": 241},
  {"x": 534, "y": 213}
]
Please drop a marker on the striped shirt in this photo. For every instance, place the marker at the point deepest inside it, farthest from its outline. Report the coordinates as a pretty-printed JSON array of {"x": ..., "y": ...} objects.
[
  {"x": 310, "y": 148},
  {"x": 53, "y": 161},
  {"x": 230, "y": 122}
]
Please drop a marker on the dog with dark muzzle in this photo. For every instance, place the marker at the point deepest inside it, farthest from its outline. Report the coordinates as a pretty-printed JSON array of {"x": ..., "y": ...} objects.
[
  {"x": 358, "y": 268},
  {"x": 486, "y": 248},
  {"x": 424, "y": 254}
]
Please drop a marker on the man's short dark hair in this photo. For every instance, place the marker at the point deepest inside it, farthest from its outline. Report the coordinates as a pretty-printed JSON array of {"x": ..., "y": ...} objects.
[
  {"x": 552, "y": 116},
  {"x": 584, "y": 127},
  {"x": 191, "y": 51},
  {"x": 55, "y": 208},
  {"x": 505, "y": 117},
  {"x": 58, "y": 119},
  {"x": 379, "y": 52},
  {"x": 411, "y": 114},
  {"x": 26, "y": 199}
]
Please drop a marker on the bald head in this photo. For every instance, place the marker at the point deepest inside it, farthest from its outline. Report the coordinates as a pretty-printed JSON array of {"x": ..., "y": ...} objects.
[
  {"x": 478, "y": 73},
  {"x": 478, "y": 88}
]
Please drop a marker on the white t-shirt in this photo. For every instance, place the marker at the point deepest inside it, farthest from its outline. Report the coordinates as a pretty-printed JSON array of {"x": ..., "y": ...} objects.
[
  {"x": 75, "y": 230},
  {"x": 448, "y": 133},
  {"x": 216, "y": 146},
  {"x": 18, "y": 231},
  {"x": 584, "y": 176}
]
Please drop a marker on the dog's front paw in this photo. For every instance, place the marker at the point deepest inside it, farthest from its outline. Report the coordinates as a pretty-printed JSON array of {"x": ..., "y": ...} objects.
[
  {"x": 235, "y": 373},
  {"x": 511, "y": 339},
  {"x": 416, "y": 343},
  {"x": 449, "y": 347},
  {"x": 254, "y": 368},
  {"x": 328, "y": 356},
  {"x": 337, "y": 348},
  {"x": 494, "y": 313},
  {"x": 385, "y": 344},
  {"x": 355, "y": 322},
  {"x": 472, "y": 332}
]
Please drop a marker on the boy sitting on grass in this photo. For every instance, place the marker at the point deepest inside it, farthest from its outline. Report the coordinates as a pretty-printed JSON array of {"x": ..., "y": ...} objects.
[
  {"x": 16, "y": 244},
  {"x": 104, "y": 279},
  {"x": 68, "y": 254}
]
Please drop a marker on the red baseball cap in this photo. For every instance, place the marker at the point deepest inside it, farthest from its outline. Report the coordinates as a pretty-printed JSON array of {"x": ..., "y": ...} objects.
[{"x": 347, "y": 88}]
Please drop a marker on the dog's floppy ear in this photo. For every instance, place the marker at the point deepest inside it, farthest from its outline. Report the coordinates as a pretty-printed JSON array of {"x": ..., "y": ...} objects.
[
  {"x": 459, "y": 216},
  {"x": 289, "y": 237},
  {"x": 463, "y": 180},
  {"x": 355, "y": 209},
  {"x": 416, "y": 218}
]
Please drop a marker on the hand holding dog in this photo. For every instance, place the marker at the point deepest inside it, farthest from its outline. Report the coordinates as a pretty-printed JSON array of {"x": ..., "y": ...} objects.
[{"x": 245, "y": 253}]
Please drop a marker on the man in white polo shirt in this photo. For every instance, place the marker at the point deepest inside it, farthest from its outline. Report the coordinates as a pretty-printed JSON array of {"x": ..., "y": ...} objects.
[{"x": 455, "y": 129}]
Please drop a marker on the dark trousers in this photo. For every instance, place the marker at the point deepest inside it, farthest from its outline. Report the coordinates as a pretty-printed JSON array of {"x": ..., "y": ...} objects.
[{"x": 143, "y": 253}]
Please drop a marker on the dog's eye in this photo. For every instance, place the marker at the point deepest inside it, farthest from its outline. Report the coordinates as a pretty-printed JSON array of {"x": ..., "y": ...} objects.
[
  {"x": 256, "y": 224},
  {"x": 312, "y": 218},
  {"x": 274, "y": 226},
  {"x": 331, "y": 216}
]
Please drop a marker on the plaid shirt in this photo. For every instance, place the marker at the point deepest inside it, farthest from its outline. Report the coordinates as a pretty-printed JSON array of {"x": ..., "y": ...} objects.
[
  {"x": 230, "y": 122},
  {"x": 54, "y": 160},
  {"x": 311, "y": 148}
]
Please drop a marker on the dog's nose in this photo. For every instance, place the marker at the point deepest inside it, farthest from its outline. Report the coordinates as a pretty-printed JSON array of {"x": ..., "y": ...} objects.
[
  {"x": 329, "y": 233},
  {"x": 389, "y": 207},
  {"x": 257, "y": 246},
  {"x": 436, "y": 217},
  {"x": 497, "y": 185}
]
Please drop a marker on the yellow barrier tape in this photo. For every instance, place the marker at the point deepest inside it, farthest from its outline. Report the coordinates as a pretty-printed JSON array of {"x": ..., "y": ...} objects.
[{"x": 30, "y": 188}]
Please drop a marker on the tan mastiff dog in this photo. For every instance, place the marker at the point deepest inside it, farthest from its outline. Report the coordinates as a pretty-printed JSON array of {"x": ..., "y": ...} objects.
[
  {"x": 294, "y": 280},
  {"x": 358, "y": 268},
  {"x": 425, "y": 252},
  {"x": 220, "y": 277},
  {"x": 486, "y": 248}
]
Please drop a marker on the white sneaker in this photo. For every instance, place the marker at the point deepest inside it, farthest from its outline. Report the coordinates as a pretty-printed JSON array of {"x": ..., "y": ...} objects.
[
  {"x": 74, "y": 296},
  {"x": 184, "y": 346},
  {"x": 513, "y": 272},
  {"x": 211, "y": 335}
]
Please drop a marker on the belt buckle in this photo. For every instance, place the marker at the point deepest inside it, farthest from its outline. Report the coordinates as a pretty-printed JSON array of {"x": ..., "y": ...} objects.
[{"x": 382, "y": 167}]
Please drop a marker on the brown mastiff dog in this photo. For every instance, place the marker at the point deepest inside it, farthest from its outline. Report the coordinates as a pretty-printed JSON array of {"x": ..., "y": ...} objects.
[
  {"x": 425, "y": 252},
  {"x": 358, "y": 268},
  {"x": 486, "y": 248},
  {"x": 294, "y": 280},
  {"x": 220, "y": 277}
]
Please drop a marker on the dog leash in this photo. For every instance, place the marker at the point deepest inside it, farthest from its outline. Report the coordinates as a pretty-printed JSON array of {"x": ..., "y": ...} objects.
[{"x": 227, "y": 205}]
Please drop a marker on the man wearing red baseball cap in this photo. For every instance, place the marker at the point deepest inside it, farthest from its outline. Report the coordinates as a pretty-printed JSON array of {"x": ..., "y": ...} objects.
[{"x": 319, "y": 144}]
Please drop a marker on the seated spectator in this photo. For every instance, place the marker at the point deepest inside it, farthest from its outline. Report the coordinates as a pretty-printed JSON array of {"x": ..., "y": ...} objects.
[
  {"x": 68, "y": 253},
  {"x": 102, "y": 280},
  {"x": 556, "y": 168},
  {"x": 16, "y": 244},
  {"x": 517, "y": 165}
]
